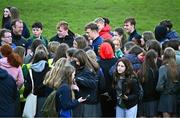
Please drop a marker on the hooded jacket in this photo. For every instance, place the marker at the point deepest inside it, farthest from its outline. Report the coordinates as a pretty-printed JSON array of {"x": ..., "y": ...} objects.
[
  {"x": 39, "y": 71},
  {"x": 105, "y": 32},
  {"x": 16, "y": 73}
]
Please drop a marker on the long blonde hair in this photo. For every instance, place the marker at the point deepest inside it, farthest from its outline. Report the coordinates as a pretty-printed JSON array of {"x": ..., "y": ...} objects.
[{"x": 52, "y": 78}]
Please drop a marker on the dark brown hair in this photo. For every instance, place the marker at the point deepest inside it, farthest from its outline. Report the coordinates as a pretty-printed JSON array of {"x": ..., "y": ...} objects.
[
  {"x": 86, "y": 61},
  {"x": 149, "y": 63},
  {"x": 40, "y": 55},
  {"x": 81, "y": 42},
  {"x": 91, "y": 26},
  {"x": 155, "y": 45},
  {"x": 131, "y": 20},
  {"x": 128, "y": 73},
  {"x": 3, "y": 31},
  {"x": 129, "y": 69},
  {"x": 60, "y": 52},
  {"x": 121, "y": 32}
]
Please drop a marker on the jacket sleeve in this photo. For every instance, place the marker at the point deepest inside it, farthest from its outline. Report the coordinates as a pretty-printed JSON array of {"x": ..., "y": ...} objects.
[
  {"x": 20, "y": 78},
  {"x": 64, "y": 96},
  {"x": 135, "y": 91},
  {"x": 161, "y": 80},
  {"x": 87, "y": 80}
]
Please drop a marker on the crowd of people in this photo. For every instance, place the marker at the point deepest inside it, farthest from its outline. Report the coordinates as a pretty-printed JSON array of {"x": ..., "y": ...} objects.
[{"x": 102, "y": 73}]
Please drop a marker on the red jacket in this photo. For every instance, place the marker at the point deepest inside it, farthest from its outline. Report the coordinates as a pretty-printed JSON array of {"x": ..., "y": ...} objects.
[{"x": 105, "y": 32}]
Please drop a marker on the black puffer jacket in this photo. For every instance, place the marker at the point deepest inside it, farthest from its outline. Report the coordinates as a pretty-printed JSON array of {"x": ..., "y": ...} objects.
[
  {"x": 132, "y": 92},
  {"x": 88, "y": 85}
]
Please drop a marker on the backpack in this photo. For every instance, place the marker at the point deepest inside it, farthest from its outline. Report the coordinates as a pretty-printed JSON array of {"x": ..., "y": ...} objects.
[{"x": 49, "y": 107}]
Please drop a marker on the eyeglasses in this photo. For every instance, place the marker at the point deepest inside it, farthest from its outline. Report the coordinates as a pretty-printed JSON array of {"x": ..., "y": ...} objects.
[
  {"x": 8, "y": 37},
  {"x": 6, "y": 42},
  {"x": 6, "y": 11}
]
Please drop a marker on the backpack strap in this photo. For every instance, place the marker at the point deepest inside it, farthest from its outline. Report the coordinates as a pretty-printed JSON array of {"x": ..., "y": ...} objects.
[{"x": 30, "y": 73}]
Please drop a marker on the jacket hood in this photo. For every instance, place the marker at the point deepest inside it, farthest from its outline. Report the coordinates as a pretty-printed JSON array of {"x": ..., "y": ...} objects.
[
  {"x": 105, "y": 32},
  {"x": 4, "y": 62},
  {"x": 39, "y": 66},
  {"x": 106, "y": 28}
]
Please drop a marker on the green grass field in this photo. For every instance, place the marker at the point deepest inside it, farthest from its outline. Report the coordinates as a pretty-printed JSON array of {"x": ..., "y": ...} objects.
[{"x": 148, "y": 13}]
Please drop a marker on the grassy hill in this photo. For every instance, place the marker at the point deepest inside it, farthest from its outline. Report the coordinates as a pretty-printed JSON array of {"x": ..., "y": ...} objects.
[{"x": 80, "y": 12}]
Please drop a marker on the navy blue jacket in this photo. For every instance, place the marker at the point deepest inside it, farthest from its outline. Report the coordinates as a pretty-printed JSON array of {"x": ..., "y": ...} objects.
[
  {"x": 64, "y": 99},
  {"x": 96, "y": 43},
  {"x": 172, "y": 35},
  {"x": 19, "y": 40},
  {"x": 136, "y": 63},
  {"x": 8, "y": 95},
  {"x": 87, "y": 82}
]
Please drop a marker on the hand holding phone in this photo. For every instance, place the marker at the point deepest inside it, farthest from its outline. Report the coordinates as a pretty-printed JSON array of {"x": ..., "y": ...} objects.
[
  {"x": 86, "y": 97},
  {"x": 81, "y": 100},
  {"x": 125, "y": 97}
]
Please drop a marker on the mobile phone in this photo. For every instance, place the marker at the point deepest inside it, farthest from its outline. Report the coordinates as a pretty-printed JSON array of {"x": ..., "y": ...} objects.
[{"x": 86, "y": 97}]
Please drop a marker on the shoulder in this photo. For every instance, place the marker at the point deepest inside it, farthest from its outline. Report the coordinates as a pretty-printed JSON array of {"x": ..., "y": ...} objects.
[
  {"x": 134, "y": 79},
  {"x": 100, "y": 39},
  {"x": 64, "y": 85},
  {"x": 31, "y": 38},
  {"x": 63, "y": 88},
  {"x": 163, "y": 67},
  {"x": 23, "y": 39},
  {"x": 69, "y": 37},
  {"x": 19, "y": 68},
  {"x": 54, "y": 38},
  {"x": 44, "y": 38},
  {"x": 5, "y": 75},
  {"x": 84, "y": 71}
]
